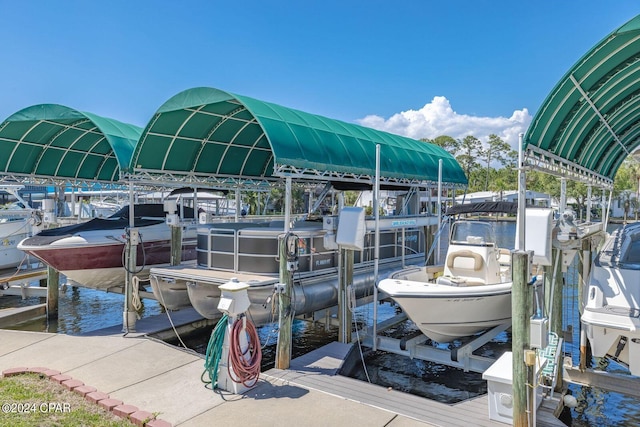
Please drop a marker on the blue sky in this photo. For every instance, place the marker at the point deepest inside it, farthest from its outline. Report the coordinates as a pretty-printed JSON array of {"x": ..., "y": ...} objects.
[{"x": 419, "y": 68}]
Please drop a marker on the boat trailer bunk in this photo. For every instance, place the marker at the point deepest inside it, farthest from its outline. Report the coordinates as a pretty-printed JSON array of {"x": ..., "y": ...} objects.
[{"x": 419, "y": 346}]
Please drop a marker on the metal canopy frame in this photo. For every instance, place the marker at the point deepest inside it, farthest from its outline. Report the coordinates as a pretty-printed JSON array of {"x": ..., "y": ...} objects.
[
  {"x": 590, "y": 121},
  {"x": 208, "y": 137},
  {"x": 55, "y": 144}
]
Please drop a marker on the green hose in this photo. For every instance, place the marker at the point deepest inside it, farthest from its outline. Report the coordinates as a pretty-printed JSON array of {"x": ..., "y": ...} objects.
[{"x": 214, "y": 353}]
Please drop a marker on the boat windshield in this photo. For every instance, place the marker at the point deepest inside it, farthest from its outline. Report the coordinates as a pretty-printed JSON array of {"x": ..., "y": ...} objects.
[
  {"x": 473, "y": 232},
  {"x": 622, "y": 249}
]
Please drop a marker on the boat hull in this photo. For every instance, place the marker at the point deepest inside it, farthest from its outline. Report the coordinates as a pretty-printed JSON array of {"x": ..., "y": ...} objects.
[
  {"x": 95, "y": 260},
  {"x": 445, "y": 313},
  {"x": 14, "y": 227},
  {"x": 611, "y": 315},
  {"x": 311, "y": 292}
]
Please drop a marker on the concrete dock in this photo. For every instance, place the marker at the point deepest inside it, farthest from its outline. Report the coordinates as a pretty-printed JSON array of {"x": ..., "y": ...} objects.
[{"x": 163, "y": 379}]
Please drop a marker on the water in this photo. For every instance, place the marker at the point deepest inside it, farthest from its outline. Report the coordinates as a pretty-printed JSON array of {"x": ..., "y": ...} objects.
[
  {"x": 80, "y": 310},
  {"x": 84, "y": 310}
]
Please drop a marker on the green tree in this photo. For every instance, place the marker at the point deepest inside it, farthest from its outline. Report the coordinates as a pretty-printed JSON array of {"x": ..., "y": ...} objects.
[
  {"x": 446, "y": 142},
  {"x": 496, "y": 151},
  {"x": 469, "y": 150}
]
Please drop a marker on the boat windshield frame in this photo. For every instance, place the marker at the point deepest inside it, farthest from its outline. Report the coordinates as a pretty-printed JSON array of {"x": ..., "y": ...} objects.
[
  {"x": 622, "y": 249},
  {"x": 477, "y": 233}
]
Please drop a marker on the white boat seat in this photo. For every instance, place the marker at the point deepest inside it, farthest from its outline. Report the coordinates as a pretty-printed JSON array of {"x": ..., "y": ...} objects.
[
  {"x": 465, "y": 260},
  {"x": 504, "y": 257}
]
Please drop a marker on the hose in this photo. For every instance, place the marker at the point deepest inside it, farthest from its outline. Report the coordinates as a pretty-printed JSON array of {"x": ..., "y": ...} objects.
[
  {"x": 246, "y": 364},
  {"x": 214, "y": 353}
]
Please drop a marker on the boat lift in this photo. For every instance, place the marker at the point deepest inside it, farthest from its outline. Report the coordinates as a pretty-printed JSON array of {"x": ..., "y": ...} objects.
[{"x": 418, "y": 346}]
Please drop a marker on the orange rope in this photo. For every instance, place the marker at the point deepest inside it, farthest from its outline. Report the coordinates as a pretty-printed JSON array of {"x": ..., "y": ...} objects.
[{"x": 246, "y": 366}]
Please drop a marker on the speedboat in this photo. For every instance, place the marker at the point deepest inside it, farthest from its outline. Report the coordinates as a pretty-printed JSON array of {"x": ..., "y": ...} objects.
[
  {"x": 471, "y": 293},
  {"x": 92, "y": 254},
  {"x": 17, "y": 221},
  {"x": 248, "y": 252},
  {"x": 611, "y": 306}
]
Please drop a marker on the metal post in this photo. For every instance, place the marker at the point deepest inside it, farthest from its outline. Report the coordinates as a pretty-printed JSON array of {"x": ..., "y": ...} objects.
[
  {"x": 238, "y": 208},
  {"x": 285, "y": 315},
  {"x": 563, "y": 195},
  {"x": 345, "y": 280},
  {"x": 585, "y": 260},
  {"x": 588, "y": 219},
  {"x": 376, "y": 249},
  {"x": 606, "y": 217},
  {"x": 439, "y": 209},
  {"x": 522, "y": 189},
  {"x": 129, "y": 314},
  {"x": 520, "y": 335},
  {"x": 287, "y": 205},
  {"x": 53, "y": 291}
]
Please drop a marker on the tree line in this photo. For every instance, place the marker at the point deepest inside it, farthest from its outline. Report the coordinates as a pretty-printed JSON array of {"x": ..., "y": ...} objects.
[{"x": 493, "y": 167}]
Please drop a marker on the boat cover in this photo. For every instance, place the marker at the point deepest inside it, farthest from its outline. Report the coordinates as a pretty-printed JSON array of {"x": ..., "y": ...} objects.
[
  {"x": 484, "y": 207},
  {"x": 145, "y": 215}
]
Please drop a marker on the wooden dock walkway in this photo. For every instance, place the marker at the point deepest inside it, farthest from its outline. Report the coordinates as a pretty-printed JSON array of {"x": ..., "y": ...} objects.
[{"x": 318, "y": 369}]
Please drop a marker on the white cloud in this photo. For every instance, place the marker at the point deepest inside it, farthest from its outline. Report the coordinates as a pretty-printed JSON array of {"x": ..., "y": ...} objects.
[{"x": 438, "y": 118}]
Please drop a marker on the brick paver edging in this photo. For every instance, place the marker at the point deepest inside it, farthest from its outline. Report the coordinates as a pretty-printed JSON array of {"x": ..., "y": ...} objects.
[{"x": 132, "y": 413}]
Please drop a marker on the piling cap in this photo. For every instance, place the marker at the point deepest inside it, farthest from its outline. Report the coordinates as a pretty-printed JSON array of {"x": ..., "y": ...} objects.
[{"x": 234, "y": 286}]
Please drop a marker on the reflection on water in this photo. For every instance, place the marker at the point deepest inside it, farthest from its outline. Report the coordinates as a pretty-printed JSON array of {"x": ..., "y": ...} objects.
[{"x": 80, "y": 310}]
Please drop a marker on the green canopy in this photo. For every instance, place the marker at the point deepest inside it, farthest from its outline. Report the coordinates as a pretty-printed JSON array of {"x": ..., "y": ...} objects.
[
  {"x": 205, "y": 132},
  {"x": 54, "y": 142},
  {"x": 590, "y": 121}
]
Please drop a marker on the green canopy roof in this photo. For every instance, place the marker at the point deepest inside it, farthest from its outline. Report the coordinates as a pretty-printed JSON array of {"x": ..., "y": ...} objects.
[
  {"x": 590, "y": 121},
  {"x": 54, "y": 142},
  {"x": 205, "y": 132}
]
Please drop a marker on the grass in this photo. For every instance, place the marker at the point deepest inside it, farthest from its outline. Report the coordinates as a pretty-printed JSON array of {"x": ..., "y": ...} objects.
[{"x": 29, "y": 400}]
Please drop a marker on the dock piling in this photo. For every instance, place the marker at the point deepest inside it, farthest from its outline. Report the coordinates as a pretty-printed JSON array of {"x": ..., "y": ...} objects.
[
  {"x": 53, "y": 281},
  {"x": 521, "y": 313}
]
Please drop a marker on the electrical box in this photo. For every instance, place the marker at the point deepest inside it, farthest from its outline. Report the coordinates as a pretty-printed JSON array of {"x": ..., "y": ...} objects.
[
  {"x": 173, "y": 219},
  {"x": 499, "y": 378},
  {"x": 234, "y": 299},
  {"x": 50, "y": 217},
  {"x": 170, "y": 206},
  {"x": 48, "y": 205},
  {"x": 538, "y": 227},
  {"x": 539, "y": 332},
  {"x": 351, "y": 228}
]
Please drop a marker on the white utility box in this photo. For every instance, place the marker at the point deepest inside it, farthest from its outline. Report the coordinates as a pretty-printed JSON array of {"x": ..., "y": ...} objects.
[
  {"x": 499, "y": 378},
  {"x": 351, "y": 228},
  {"x": 538, "y": 227}
]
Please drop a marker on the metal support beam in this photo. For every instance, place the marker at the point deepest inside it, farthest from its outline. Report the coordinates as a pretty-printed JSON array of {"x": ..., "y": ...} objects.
[{"x": 598, "y": 113}]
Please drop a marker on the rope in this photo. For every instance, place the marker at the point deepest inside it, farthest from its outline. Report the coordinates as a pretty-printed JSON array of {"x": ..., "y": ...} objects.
[
  {"x": 214, "y": 353},
  {"x": 166, "y": 310},
  {"x": 246, "y": 364},
  {"x": 135, "y": 295}
]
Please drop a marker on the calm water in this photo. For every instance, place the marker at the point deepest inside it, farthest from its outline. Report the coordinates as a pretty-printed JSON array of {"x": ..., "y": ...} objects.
[{"x": 84, "y": 310}]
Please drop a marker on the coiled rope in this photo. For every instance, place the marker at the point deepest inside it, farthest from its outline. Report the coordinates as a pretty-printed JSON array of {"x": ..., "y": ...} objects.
[
  {"x": 246, "y": 364},
  {"x": 214, "y": 353}
]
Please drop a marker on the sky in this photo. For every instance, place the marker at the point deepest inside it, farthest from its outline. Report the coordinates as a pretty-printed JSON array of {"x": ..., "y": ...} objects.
[{"x": 418, "y": 68}]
